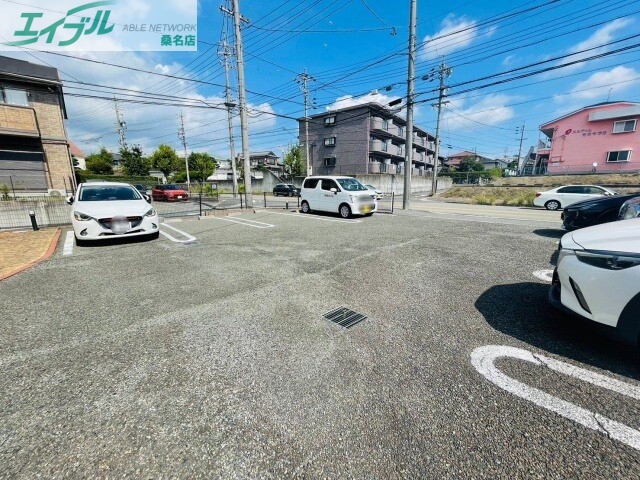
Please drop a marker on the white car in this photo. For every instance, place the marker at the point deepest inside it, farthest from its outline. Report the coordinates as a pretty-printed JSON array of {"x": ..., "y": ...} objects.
[
  {"x": 343, "y": 195},
  {"x": 561, "y": 197},
  {"x": 376, "y": 191},
  {"x": 102, "y": 210},
  {"x": 598, "y": 276}
]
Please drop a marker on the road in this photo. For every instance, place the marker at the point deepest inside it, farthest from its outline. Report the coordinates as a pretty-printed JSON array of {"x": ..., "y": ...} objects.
[{"x": 209, "y": 355}]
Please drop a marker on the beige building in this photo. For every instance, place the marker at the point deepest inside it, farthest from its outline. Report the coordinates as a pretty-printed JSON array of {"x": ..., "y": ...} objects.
[{"x": 34, "y": 148}]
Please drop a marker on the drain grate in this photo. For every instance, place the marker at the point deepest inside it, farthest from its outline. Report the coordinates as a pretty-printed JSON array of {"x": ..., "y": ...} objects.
[{"x": 344, "y": 317}]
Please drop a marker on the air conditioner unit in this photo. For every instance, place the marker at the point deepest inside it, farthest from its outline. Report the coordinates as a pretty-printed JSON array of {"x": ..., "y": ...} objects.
[{"x": 56, "y": 192}]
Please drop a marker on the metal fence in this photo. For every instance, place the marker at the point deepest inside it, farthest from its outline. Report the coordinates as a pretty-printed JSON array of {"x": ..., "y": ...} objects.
[{"x": 48, "y": 211}]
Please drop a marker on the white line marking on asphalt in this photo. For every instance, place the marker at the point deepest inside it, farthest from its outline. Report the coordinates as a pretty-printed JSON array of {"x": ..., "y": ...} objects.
[
  {"x": 189, "y": 238},
  {"x": 483, "y": 359},
  {"x": 544, "y": 275},
  {"x": 68, "y": 244},
  {"x": 245, "y": 221},
  {"x": 313, "y": 217}
]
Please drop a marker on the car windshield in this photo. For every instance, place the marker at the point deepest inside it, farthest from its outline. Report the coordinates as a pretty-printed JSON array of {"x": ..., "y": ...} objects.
[
  {"x": 172, "y": 187},
  {"x": 108, "y": 192},
  {"x": 351, "y": 185},
  {"x": 291, "y": 186}
]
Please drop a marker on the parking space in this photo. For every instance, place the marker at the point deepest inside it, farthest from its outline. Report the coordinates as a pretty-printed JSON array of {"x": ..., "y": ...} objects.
[{"x": 215, "y": 356}]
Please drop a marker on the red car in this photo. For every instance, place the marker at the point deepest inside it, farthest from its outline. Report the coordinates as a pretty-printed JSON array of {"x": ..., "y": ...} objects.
[{"x": 170, "y": 193}]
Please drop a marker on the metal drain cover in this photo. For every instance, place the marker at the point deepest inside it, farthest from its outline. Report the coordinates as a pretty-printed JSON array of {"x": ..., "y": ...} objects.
[{"x": 344, "y": 317}]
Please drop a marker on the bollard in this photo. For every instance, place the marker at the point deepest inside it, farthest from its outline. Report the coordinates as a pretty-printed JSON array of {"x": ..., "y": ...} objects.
[
  {"x": 34, "y": 224},
  {"x": 286, "y": 205}
]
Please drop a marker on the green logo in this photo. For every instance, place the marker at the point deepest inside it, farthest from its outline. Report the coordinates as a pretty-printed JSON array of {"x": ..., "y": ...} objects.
[{"x": 97, "y": 24}]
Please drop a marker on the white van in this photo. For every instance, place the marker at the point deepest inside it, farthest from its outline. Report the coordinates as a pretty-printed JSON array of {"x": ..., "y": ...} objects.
[{"x": 343, "y": 195}]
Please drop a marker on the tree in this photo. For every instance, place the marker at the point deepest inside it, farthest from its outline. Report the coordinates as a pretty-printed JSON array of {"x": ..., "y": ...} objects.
[
  {"x": 201, "y": 166},
  {"x": 293, "y": 161},
  {"x": 133, "y": 163},
  {"x": 101, "y": 162},
  {"x": 165, "y": 159},
  {"x": 470, "y": 164}
]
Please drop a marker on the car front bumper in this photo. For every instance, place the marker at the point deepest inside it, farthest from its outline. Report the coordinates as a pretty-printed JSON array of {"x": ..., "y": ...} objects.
[{"x": 101, "y": 229}]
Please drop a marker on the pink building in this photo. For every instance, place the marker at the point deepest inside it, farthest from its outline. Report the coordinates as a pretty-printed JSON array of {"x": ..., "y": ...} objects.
[{"x": 598, "y": 138}]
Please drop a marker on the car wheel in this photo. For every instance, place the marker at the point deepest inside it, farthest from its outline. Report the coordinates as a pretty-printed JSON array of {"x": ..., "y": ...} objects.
[
  {"x": 290, "y": 194},
  {"x": 345, "y": 211},
  {"x": 552, "y": 205},
  {"x": 305, "y": 207}
]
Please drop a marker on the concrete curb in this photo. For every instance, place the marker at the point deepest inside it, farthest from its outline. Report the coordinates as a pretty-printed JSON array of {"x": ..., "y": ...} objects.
[{"x": 52, "y": 248}]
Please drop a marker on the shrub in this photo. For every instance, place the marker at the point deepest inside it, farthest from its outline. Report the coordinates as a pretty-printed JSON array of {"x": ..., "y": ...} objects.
[{"x": 4, "y": 190}]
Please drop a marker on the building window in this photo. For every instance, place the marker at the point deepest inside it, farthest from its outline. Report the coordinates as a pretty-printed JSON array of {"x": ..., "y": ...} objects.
[
  {"x": 13, "y": 96},
  {"x": 329, "y": 161},
  {"x": 329, "y": 141},
  {"x": 330, "y": 120},
  {"x": 619, "y": 156},
  {"x": 384, "y": 146},
  {"x": 385, "y": 124},
  {"x": 400, "y": 131},
  {"x": 624, "y": 126}
]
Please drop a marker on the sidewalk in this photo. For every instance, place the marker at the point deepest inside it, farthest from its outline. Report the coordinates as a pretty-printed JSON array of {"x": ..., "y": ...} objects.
[{"x": 21, "y": 249}]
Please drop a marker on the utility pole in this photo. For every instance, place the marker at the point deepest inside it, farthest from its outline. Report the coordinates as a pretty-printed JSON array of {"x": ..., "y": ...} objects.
[
  {"x": 303, "y": 79},
  {"x": 520, "y": 147},
  {"x": 237, "y": 18},
  {"x": 121, "y": 125},
  {"x": 225, "y": 53},
  {"x": 183, "y": 138},
  {"x": 443, "y": 73},
  {"x": 410, "y": 93}
]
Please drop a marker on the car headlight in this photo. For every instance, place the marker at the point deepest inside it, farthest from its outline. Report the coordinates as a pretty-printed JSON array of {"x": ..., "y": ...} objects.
[
  {"x": 631, "y": 212},
  {"x": 609, "y": 260},
  {"x": 150, "y": 213},
  {"x": 82, "y": 217}
]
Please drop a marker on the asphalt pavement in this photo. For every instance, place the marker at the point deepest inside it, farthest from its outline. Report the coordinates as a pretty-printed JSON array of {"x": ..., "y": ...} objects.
[{"x": 211, "y": 358}]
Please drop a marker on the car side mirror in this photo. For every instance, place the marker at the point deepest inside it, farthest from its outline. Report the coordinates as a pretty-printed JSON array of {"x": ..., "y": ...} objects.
[
  {"x": 334, "y": 190},
  {"x": 70, "y": 200},
  {"x": 146, "y": 197}
]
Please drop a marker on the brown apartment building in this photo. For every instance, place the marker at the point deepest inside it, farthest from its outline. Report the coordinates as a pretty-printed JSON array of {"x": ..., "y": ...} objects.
[
  {"x": 34, "y": 149},
  {"x": 364, "y": 139}
]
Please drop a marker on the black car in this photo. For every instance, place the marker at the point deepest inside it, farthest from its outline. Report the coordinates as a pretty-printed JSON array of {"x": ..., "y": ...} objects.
[
  {"x": 286, "y": 189},
  {"x": 594, "y": 211}
]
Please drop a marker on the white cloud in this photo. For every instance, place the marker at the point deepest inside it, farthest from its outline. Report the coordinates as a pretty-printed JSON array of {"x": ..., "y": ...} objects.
[
  {"x": 491, "y": 110},
  {"x": 593, "y": 44},
  {"x": 602, "y": 84},
  {"x": 455, "y": 34}
]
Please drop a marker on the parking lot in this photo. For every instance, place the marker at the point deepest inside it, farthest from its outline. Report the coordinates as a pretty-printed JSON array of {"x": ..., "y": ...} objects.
[{"x": 206, "y": 354}]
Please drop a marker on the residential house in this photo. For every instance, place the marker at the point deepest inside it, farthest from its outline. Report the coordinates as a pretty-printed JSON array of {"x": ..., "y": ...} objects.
[
  {"x": 599, "y": 138},
  {"x": 78, "y": 156},
  {"x": 34, "y": 149},
  {"x": 265, "y": 159},
  {"x": 364, "y": 139},
  {"x": 488, "y": 163}
]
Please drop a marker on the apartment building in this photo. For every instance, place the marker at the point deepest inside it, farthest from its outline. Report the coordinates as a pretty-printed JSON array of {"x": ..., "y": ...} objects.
[
  {"x": 34, "y": 149},
  {"x": 364, "y": 139},
  {"x": 599, "y": 138}
]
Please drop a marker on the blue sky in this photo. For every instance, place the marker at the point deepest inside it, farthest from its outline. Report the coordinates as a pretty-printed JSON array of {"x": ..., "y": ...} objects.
[{"x": 355, "y": 47}]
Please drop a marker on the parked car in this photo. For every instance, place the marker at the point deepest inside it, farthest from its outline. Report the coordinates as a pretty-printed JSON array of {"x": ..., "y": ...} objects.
[
  {"x": 169, "y": 193},
  {"x": 140, "y": 187},
  {"x": 376, "y": 191},
  {"x": 598, "y": 276},
  {"x": 562, "y": 197},
  {"x": 594, "y": 211},
  {"x": 630, "y": 209},
  {"x": 343, "y": 195},
  {"x": 286, "y": 189},
  {"x": 101, "y": 210}
]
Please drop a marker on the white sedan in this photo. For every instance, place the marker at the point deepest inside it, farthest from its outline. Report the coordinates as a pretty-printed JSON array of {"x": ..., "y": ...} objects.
[
  {"x": 561, "y": 197},
  {"x": 102, "y": 210},
  {"x": 598, "y": 276}
]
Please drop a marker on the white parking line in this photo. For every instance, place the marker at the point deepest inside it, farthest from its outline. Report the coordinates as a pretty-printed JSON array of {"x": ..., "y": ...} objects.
[
  {"x": 189, "y": 238},
  {"x": 544, "y": 275},
  {"x": 483, "y": 359},
  {"x": 243, "y": 221},
  {"x": 313, "y": 217},
  {"x": 68, "y": 244}
]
